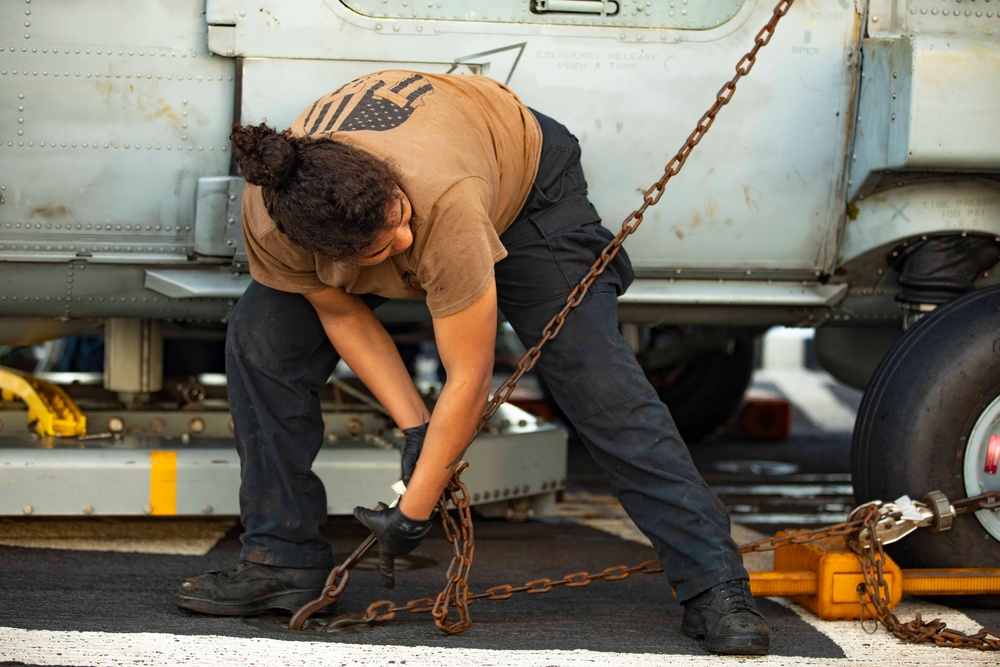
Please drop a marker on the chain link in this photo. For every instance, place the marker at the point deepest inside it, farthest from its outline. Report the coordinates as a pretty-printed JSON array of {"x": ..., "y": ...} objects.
[{"x": 875, "y": 590}]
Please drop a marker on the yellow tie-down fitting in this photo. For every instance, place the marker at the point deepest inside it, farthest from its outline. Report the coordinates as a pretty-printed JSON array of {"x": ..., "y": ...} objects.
[
  {"x": 825, "y": 577},
  {"x": 50, "y": 410}
]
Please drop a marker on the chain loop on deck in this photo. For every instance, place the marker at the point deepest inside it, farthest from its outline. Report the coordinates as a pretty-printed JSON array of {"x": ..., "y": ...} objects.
[{"x": 874, "y": 591}]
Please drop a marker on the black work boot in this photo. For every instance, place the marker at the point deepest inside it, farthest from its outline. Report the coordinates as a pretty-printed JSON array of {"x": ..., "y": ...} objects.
[
  {"x": 247, "y": 589},
  {"x": 726, "y": 617}
]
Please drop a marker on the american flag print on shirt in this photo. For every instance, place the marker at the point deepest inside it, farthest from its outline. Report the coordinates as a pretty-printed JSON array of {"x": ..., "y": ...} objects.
[{"x": 369, "y": 103}]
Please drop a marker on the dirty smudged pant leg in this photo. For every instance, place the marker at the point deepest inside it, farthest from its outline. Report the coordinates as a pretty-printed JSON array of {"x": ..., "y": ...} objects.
[
  {"x": 277, "y": 360},
  {"x": 595, "y": 379}
]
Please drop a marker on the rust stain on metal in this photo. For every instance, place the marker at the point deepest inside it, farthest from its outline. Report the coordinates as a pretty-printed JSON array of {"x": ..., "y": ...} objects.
[
  {"x": 163, "y": 111},
  {"x": 49, "y": 211}
]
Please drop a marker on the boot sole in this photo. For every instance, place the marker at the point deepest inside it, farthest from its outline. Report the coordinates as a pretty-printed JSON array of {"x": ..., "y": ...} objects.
[
  {"x": 731, "y": 644},
  {"x": 290, "y": 601}
]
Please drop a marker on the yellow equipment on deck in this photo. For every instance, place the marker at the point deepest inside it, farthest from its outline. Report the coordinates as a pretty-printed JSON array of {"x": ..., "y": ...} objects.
[
  {"x": 824, "y": 577},
  {"x": 50, "y": 410}
]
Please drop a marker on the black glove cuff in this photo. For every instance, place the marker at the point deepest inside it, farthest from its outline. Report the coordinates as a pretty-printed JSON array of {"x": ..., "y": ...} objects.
[
  {"x": 413, "y": 442},
  {"x": 411, "y": 528},
  {"x": 415, "y": 432},
  {"x": 397, "y": 533}
]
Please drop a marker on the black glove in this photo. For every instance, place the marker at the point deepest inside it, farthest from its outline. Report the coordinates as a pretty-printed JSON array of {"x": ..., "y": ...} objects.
[
  {"x": 397, "y": 534},
  {"x": 412, "y": 444}
]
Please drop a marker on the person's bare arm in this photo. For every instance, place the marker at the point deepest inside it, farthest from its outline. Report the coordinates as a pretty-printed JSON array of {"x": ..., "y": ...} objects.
[
  {"x": 366, "y": 347},
  {"x": 465, "y": 344}
]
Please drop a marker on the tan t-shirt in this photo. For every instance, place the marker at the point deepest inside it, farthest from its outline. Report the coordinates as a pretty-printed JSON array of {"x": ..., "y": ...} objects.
[{"x": 467, "y": 152}]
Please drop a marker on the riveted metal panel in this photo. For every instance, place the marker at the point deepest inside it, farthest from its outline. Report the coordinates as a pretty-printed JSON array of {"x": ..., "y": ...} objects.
[
  {"x": 153, "y": 89},
  {"x": 927, "y": 103},
  {"x": 955, "y": 95},
  {"x": 78, "y": 290},
  {"x": 937, "y": 17},
  {"x": 937, "y": 207},
  {"x": 112, "y": 112},
  {"x": 217, "y": 229},
  {"x": 763, "y": 193}
]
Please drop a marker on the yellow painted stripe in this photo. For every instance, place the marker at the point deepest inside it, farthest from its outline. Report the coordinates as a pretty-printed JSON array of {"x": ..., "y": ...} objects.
[{"x": 163, "y": 483}]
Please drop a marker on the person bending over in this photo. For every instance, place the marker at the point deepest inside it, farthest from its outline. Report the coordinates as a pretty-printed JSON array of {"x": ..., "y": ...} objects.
[{"x": 445, "y": 188}]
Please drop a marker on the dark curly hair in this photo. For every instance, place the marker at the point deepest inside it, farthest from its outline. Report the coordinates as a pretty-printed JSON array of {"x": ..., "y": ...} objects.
[{"x": 326, "y": 196}]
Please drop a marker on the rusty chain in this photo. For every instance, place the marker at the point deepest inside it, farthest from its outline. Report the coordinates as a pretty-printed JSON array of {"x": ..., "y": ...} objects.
[
  {"x": 459, "y": 532},
  {"x": 634, "y": 219},
  {"x": 463, "y": 556},
  {"x": 875, "y": 590},
  {"x": 620, "y": 572},
  {"x": 339, "y": 575},
  {"x": 456, "y": 595}
]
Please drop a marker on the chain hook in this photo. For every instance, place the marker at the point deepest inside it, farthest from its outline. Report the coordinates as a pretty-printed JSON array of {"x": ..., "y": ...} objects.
[
  {"x": 896, "y": 520},
  {"x": 864, "y": 611},
  {"x": 337, "y": 580}
]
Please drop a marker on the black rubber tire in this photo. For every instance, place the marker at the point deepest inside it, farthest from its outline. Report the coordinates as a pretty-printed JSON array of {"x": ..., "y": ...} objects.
[
  {"x": 914, "y": 421},
  {"x": 704, "y": 392}
]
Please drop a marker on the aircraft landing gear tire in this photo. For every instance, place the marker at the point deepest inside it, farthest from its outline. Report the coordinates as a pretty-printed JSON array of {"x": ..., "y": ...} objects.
[
  {"x": 926, "y": 422},
  {"x": 705, "y": 389}
]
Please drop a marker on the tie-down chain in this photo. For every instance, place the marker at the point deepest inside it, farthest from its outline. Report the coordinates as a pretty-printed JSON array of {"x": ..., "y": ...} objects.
[
  {"x": 866, "y": 530},
  {"x": 456, "y": 491},
  {"x": 882, "y": 524}
]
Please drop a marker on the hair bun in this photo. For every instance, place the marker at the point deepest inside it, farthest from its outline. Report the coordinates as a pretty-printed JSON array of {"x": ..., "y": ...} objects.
[{"x": 264, "y": 156}]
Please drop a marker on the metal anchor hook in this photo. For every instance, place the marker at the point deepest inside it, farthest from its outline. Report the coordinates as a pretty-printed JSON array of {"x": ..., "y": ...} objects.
[
  {"x": 337, "y": 580},
  {"x": 897, "y": 520}
]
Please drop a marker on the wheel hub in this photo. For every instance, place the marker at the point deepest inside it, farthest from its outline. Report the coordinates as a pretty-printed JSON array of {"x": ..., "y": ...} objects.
[
  {"x": 982, "y": 456},
  {"x": 992, "y": 455}
]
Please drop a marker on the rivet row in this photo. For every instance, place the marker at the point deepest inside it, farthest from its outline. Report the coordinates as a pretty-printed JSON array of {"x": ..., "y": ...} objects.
[
  {"x": 99, "y": 299},
  {"x": 107, "y": 75},
  {"x": 101, "y": 52},
  {"x": 89, "y": 227},
  {"x": 38, "y": 248},
  {"x": 115, "y": 146},
  {"x": 958, "y": 13}
]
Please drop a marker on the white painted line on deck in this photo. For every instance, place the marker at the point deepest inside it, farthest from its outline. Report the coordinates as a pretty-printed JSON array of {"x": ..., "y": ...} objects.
[
  {"x": 45, "y": 647},
  {"x": 882, "y": 648}
]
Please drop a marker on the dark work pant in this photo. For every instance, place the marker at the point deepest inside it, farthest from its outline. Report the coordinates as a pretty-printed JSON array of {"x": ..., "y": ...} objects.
[{"x": 278, "y": 358}]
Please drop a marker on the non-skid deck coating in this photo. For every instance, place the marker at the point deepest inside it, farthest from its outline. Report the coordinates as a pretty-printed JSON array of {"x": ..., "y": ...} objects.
[
  {"x": 68, "y": 607},
  {"x": 100, "y": 591}
]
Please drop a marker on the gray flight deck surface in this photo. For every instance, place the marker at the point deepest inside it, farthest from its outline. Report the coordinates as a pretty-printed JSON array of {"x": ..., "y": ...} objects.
[{"x": 80, "y": 604}]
